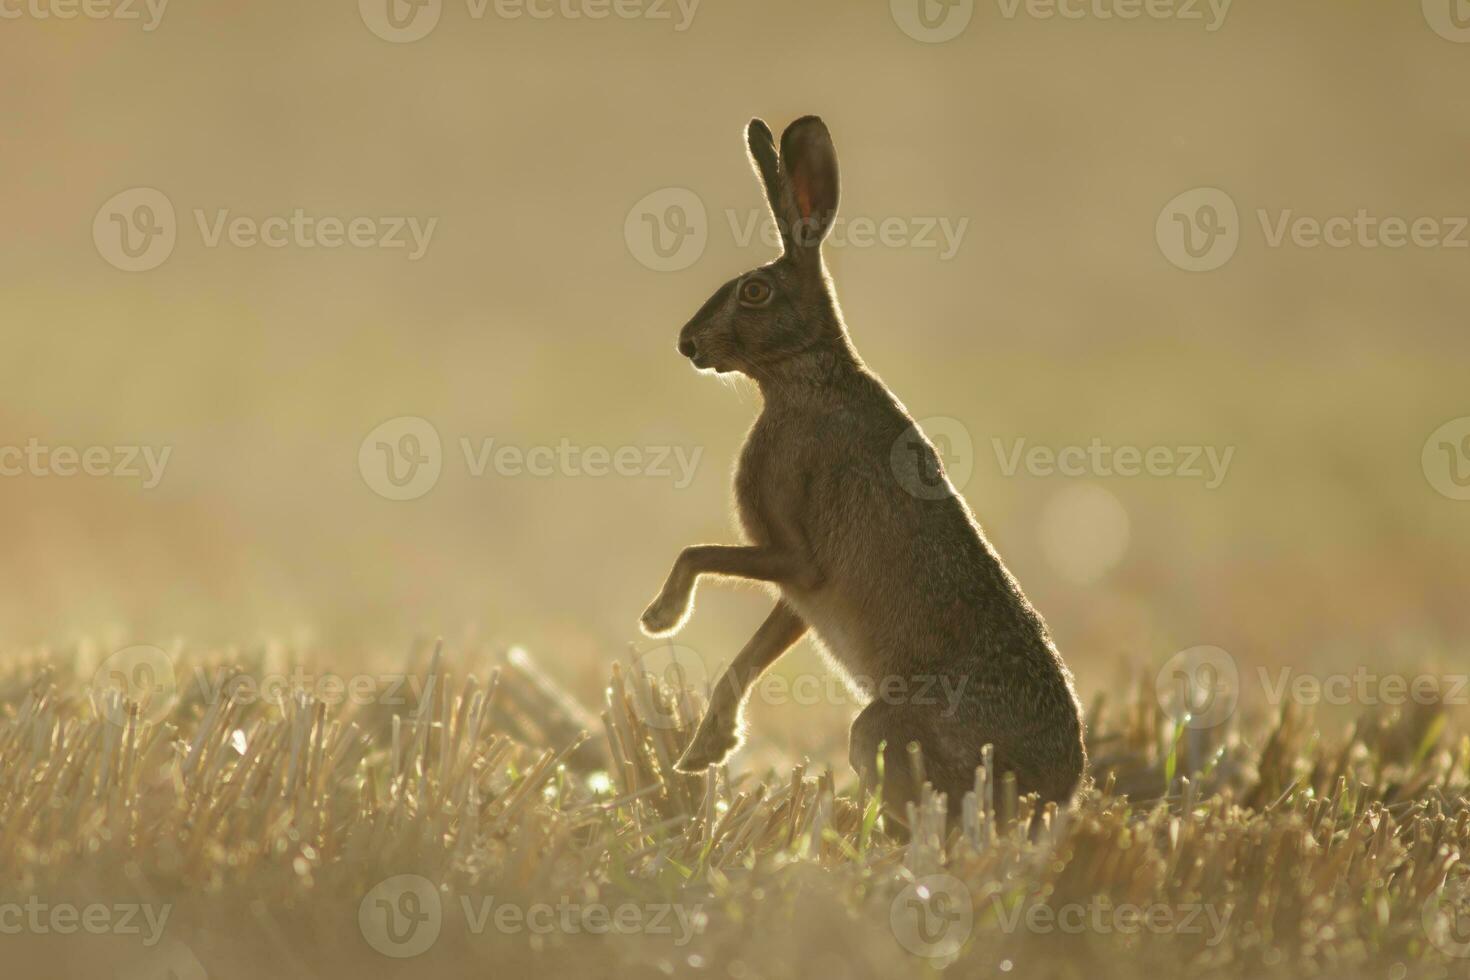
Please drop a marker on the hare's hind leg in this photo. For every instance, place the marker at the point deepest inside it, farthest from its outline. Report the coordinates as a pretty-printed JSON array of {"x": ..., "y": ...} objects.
[
  {"x": 719, "y": 732},
  {"x": 1047, "y": 760},
  {"x": 945, "y": 761},
  {"x": 1042, "y": 751}
]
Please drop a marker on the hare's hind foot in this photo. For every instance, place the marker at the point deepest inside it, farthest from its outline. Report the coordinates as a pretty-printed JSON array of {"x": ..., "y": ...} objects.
[
  {"x": 718, "y": 736},
  {"x": 894, "y": 728},
  {"x": 719, "y": 732},
  {"x": 949, "y": 753}
]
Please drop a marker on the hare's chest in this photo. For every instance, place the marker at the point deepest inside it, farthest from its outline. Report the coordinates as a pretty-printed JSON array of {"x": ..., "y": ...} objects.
[{"x": 761, "y": 496}]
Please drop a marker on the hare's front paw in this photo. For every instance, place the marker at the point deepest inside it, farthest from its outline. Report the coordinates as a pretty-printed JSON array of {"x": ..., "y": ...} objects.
[
  {"x": 717, "y": 737},
  {"x": 666, "y": 614}
]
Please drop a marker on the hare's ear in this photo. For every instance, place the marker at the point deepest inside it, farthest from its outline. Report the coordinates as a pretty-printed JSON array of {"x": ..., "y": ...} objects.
[
  {"x": 762, "y": 148},
  {"x": 809, "y": 170}
]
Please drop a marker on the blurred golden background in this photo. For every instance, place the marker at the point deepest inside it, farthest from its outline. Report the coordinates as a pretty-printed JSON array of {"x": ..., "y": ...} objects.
[{"x": 539, "y": 146}]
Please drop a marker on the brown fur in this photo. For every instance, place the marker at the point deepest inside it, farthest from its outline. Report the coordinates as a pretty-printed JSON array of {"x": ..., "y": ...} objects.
[{"x": 899, "y": 585}]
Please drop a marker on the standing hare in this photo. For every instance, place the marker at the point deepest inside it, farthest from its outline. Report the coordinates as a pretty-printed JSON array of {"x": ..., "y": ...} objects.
[{"x": 851, "y": 518}]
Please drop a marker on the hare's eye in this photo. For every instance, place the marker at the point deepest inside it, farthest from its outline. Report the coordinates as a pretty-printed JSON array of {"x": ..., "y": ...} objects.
[{"x": 754, "y": 292}]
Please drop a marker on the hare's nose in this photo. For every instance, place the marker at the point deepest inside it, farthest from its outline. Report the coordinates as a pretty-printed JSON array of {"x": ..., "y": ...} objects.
[{"x": 686, "y": 347}]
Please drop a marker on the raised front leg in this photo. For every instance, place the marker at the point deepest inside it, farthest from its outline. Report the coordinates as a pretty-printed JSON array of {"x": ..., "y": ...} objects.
[
  {"x": 764, "y": 563},
  {"x": 719, "y": 732}
]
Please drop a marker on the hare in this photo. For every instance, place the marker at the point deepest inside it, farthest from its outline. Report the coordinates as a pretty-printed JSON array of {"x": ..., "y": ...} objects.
[{"x": 855, "y": 527}]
